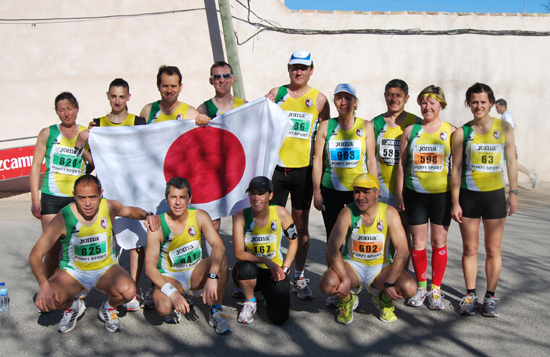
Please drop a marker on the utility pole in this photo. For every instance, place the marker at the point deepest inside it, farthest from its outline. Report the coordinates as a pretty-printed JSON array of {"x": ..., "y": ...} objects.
[{"x": 231, "y": 47}]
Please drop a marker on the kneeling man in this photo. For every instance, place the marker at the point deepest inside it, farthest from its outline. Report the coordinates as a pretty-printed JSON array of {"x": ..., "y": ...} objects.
[
  {"x": 89, "y": 260},
  {"x": 365, "y": 229},
  {"x": 173, "y": 259}
]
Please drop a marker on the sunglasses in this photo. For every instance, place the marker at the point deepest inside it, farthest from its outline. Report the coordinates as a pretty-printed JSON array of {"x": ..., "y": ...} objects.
[{"x": 217, "y": 77}]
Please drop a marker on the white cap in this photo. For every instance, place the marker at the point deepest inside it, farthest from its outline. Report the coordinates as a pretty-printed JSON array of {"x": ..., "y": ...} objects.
[
  {"x": 346, "y": 87},
  {"x": 301, "y": 57}
]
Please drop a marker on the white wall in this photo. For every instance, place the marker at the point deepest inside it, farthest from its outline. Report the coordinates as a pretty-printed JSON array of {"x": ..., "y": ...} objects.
[{"x": 84, "y": 56}]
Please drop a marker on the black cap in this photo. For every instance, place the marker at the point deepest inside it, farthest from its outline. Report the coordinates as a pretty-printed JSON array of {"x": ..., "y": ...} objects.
[{"x": 261, "y": 183}]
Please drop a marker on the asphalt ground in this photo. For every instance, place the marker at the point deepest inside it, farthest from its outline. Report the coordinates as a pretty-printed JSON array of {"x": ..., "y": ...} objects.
[{"x": 522, "y": 328}]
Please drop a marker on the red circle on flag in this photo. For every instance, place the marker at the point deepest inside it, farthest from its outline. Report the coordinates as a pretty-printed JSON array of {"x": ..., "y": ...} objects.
[{"x": 212, "y": 159}]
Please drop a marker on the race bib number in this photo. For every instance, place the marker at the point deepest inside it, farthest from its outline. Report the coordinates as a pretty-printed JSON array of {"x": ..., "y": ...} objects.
[
  {"x": 186, "y": 256},
  {"x": 65, "y": 161},
  {"x": 486, "y": 157},
  {"x": 389, "y": 151},
  {"x": 261, "y": 245},
  {"x": 301, "y": 124},
  {"x": 90, "y": 249},
  {"x": 367, "y": 246},
  {"x": 428, "y": 158},
  {"x": 344, "y": 153}
]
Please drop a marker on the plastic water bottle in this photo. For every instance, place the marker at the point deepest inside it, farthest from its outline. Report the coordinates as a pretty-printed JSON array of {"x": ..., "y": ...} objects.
[{"x": 4, "y": 298}]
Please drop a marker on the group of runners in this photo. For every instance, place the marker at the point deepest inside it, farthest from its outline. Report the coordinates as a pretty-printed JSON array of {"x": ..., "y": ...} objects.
[{"x": 383, "y": 187}]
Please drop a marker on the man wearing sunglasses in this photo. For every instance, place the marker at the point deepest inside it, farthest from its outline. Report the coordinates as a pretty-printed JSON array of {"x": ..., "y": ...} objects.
[
  {"x": 305, "y": 106},
  {"x": 169, "y": 84},
  {"x": 222, "y": 78}
]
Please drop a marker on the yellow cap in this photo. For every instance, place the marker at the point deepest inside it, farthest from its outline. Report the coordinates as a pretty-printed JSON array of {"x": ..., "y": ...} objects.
[{"x": 366, "y": 181}]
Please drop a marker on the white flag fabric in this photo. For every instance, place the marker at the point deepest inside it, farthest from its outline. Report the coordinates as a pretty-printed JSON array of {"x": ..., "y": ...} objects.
[{"x": 219, "y": 160}]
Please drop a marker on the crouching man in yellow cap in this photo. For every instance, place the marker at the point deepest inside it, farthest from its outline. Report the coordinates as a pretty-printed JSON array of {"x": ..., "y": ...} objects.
[{"x": 365, "y": 228}]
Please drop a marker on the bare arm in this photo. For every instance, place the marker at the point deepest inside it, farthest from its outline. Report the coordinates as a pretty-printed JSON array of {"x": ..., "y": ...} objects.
[
  {"x": 210, "y": 289},
  {"x": 399, "y": 241},
  {"x": 286, "y": 221},
  {"x": 200, "y": 119},
  {"x": 511, "y": 167},
  {"x": 334, "y": 257},
  {"x": 202, "y": 109},
  {"x": 402, "y": 167},
  {"x": 38, "y": 157},
  {"x": 117, "y": 209},
  {"x": 457, "y": 141},
  {"x": 318, "y": 164},
  {"x": 146, "y": 111},
  {"x": 272, "y": 94},
  {"x": 46, "y": 299},
  {"x": 323, "y": 107},
  {"x": 372, "y": 164}
]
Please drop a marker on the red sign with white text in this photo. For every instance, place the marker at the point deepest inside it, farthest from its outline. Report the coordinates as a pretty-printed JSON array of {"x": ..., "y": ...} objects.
[{"x": 17, "y": 162}]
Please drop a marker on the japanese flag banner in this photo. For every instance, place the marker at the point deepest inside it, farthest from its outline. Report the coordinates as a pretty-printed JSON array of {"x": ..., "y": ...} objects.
[{"x": 219, "y": 160}]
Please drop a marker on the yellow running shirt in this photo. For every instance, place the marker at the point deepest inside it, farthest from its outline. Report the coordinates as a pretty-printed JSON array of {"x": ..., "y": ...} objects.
[
  {"x": 181, "y": 252},
  {"x": 156, "y": 115},
  {"x": 88, "y": 247},
  {"x": 483, "y": 158},
  {"x": 297, "y": 149},
  {"x": 429, "y": 166},
  {"x": 367, "y": 245},
  {"x": 345, "y": 155},
  {"x": 388, "y": 143}
]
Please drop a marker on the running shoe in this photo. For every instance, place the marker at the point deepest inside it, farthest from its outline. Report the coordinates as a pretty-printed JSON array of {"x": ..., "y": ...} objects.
[
  {"x": 218, "y": 319},
  {"x": 70, "y": 316},
  {"x": 173, "y": 318},
  {"x": 237, "y": 293},
  {"x": 468, "y": 304},
  {"x": 345, "y": 310},
  {"x": 248, "y": 310},
  {"x": 534, "y": 181},
  {"x": 332, "y": 301},
  {"x": 418, "y": 298},
  {"x": 301, "y": 289},
  {"x": 490, "y": 307},
  {"x": 434, "y": 300},
  {"x": 110, "y": 317},
  {"x": 147, "y": 303},
  {"x": 133, "y": 305},
  {"x": 386, "y": 309}
]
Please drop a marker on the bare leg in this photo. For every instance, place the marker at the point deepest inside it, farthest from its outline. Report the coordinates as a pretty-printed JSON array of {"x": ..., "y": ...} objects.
[
  {"x": 469, "y": 228},
  {"x": 494, "y": 229}
]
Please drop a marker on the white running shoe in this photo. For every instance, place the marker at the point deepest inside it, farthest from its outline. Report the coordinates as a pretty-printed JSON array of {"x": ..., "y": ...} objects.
[
  {"x": 133, "y": 305},
  {"x": 434, "y": 300},
  {"x": 418, "y": 298},
  {"x": 247, "y": 312},
  {"x": 70, "y": 316},
  {"x": 110, "y": 317},
  {"x": 218, "y": 319},
  {"x": 301, "y": 289}
]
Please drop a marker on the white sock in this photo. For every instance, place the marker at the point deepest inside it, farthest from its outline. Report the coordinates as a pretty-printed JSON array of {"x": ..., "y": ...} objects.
[
  {"x": 298, "y": 274},
  {"x": 74, "y": 304},
  {"x": 107, "y": 306},
  {"x": 532, "y": 176}
]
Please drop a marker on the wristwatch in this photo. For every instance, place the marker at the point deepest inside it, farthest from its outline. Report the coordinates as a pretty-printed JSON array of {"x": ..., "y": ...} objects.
[
  {"x": 388, "y": 285},
  {"x": 213, "y": 276},
  {"x": 515, "y": 192},
  {"x": 286, "y": 270}
]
